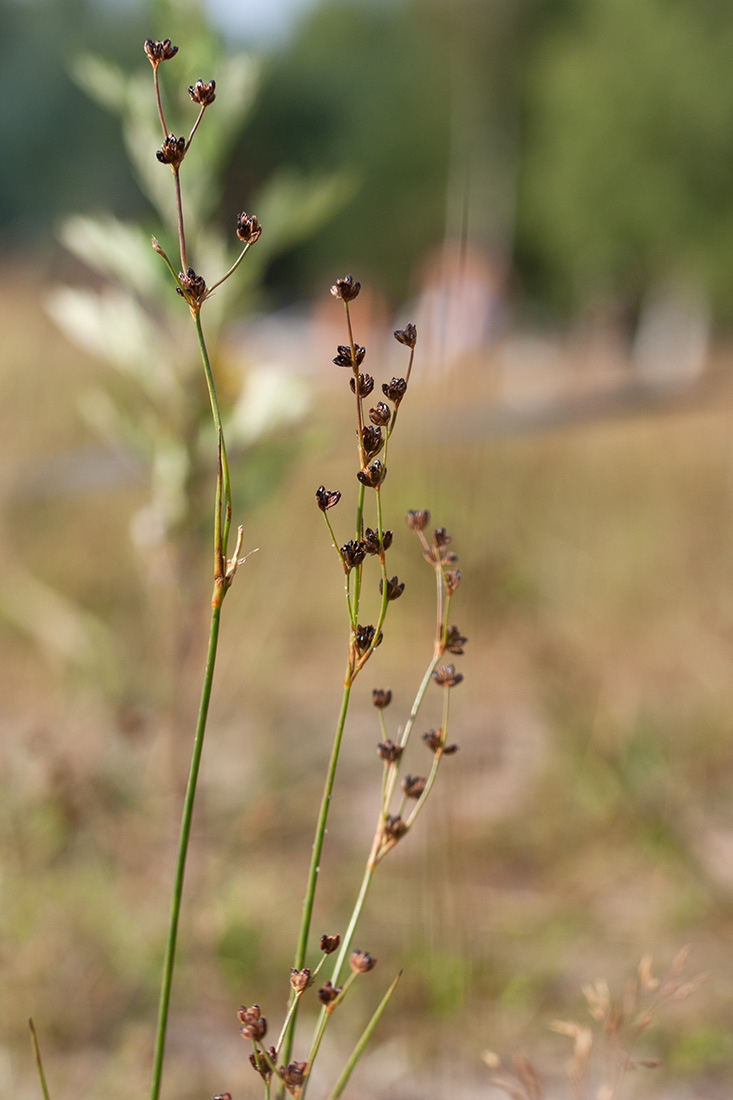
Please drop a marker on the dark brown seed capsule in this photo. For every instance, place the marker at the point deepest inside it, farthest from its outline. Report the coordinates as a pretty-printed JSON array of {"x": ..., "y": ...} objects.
[
  {"x": 372, "y": 441},
  {"x": 395, "y": 390},
  {"x": 249, "y": 229},
  {"x": 413, "y": 785},
  {"x": 366, "y": 385},
  {"x": 380, "y": 414},
  {"x": 418, "y": 520},
  {"x": 381, "y": 698},
  {"x": 394, "y": 827},
  {"x": 172, "y": 151},
  {"x": 407, "y": 335},
  {"x": 328, "y": 994},
  {"x": 446, "y": 676},
  {"x": 388, "y": 751},
  {"x": 330, "y": 943},
  {"x": 374, "y": 474},
  {"x": 361, "y": 961},
  {"x": 344, "y": 358},
  {"x": 394, "y": 588},
  {"x": 192, "y": 284},
  {"x": 299, "y": 979},
  {"x": 327, "y": 498},
  {"x": 364, "y": 636},
  {"x": 159, "y": 51},
  {"x": 353, "y": 552},
  {"x": 346, "y": 289},
  {"x": 433, "y": 739},
  {"x": 201, "y": 93},
  {"x": 454, "y": 641}
]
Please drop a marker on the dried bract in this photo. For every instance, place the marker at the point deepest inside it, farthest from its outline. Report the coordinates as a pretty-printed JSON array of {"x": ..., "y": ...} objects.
[
  {"x": 407, "y": 335},
  {"x": 381, "y": 698},
  {"x": 389, "y": 752},
  {"x": 365, "y": 385},
  {"x": 346, "y": 289},
  {"x": 380, "y": 414},
  {"x": 299, "y": 979},
  {"x": 395, "y": 390},
  {"x": 374, "y": 474},
  {"x": 454, "y": 640},
  {"x": 249, "y": 229},
  {"x": 361, "y": 961},
  {"x": 201, "y": 93},
  {"x": 446, "y": 676},
  {"x": 172, "y": 151},
  {"x": 418, "y": 520},
  {"x": 327, "y": 498},
  {"x": 159, "y": 51},
  {"x": 413, "y": 785},
  {"x": 395, "y": 588}
]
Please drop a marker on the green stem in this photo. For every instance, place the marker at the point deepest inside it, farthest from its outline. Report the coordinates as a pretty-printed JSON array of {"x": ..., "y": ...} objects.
[
  {"x": 183, "y": 842},
  {"x": 39, "y": 1063},
  {"x": 226, "y": 491},
  {"x": 361, "y": 1046}
]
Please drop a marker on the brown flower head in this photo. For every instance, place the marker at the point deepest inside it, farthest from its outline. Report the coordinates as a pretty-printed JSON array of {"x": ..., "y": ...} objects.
[
  {"x": 293, "y": 1074},
  {"x": 193, "y": 286},
  {"x": 364, "y": 636},
  {"x": 388, "y": 751},
  {"x": 372, "y": 441},
  {"x": 203, "y": 94},
  {"x": 394, "y": 827},
  {"x": 454, "y": 641},
  {"x": 353, "y": 552},
  {"x": 395, "y": 390},
  {"x": 452, "y": 578},
  {"x": 254, "y": 1026},
  {"x": 418, "y": 520},
  {"x": 413, "y": 785},
  {"x": 407, "y": 335},
  {"x": 328, "y": 994},
  {"x": 371, "y": 540},
  {"x": 327, "y": 498},
  {"x": 381, "y": 698},
  {"x": 365, "y": 385},
  {"x": 441, "y": 537},
  {"x": 344, "y": 358},
  {"x": 249, "y": 229},
  {"x": 299, "y": 979},
  {"x": 446, "y": 676},
  {"x": 395, "y": 588},
  {"x": 172, "y": 151},
  {"x": 433, "y": 739},
  {"x": 374, "y": 474},
  {"x": 263, "y": 1068},
  {"x": 330, "y": 943},
  {"x": 380, "y": 414},
  {"x": 346, "y": 289},
  {"x": 361, "y": 961},
  {"x": 159, "y": 51}
]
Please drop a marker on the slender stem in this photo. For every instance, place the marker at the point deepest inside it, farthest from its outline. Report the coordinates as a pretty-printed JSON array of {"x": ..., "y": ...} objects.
[
  {"x": 196, "y": 125},
  {"x": 226, "y": 502},
  {"x": 363, "y": 1042},
  {"x": 158, "y": 101},
  {"x": 231, "y": 270},
  {"x": 37, "y": 1057},
  {"x": 179, "y": 219},
  {"x": 183, "y": 842}
]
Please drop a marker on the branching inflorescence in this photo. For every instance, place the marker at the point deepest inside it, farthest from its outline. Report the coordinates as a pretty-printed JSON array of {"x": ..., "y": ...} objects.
[{"x": 402, "y": 795}]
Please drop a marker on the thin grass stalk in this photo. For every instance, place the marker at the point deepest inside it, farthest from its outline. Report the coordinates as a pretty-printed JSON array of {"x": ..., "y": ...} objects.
[
  {"x": 38, "y": 1060},
  {"x": 363, "y": 1042}
]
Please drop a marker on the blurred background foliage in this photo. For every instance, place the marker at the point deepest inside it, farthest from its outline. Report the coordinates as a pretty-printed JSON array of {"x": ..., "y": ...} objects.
[{"x": 584, "y": 148}]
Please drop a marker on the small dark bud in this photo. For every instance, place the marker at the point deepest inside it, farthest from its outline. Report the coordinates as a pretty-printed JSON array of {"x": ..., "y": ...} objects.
[
  {"x": 330, "y": 943},
  {"x": 441, "y": 537},
  {"x": 344, "y": 358},
  {"x": 433, "y": 739},
  {"x": 394, "y": 827},
  {"x": 327, "y": 498},
  {"x": 374, "y": 474},
  {"x": 159, "y": 51},
  {"x": 413, "y": 786},
  {"x": 292, "y": 1075},
  {"x": 395, "y": 390},
  {"x": 361, "y": 961},
  {"x": 353, "y": 552},
  {"x": 346, "y": 289},
  {"x": 380, "y": 414},
  {"x": 419, "y": 520},
  {"x": 394, "y": 588},
  {"x": 364, "y": 637},
  {"x": 328, "y": 994},
  {"x": 249, "y": 229},
  {"x": 452, "y": 578},
  {"x": 254, "y": 1025},
  {"x": 203, "y": 94},
  {"x": 299, "y": 979},
  {"x": 372, "y": 441},
  {"x": 381, "y": 698},
  {"x": 449, "y": 750},
  {"x": 366, "y": 385},
  {"x": 193, "y": 286},
  {"x": 389, "y": 752},
  {"x": 454, "y": 641},
  {"x": 263, "y": 1068},
  {"x": 172, "y": 151},
  {"x": 407, "y": 335},
  {"x": 446, "y": 676}
]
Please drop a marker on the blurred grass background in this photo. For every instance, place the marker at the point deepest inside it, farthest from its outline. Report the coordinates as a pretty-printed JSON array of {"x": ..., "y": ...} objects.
[{"x": 587, "y": 818}]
